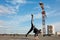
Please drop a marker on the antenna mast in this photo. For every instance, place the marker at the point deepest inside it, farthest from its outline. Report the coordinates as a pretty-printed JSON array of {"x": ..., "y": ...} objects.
[{"x": 43, "y": 18}]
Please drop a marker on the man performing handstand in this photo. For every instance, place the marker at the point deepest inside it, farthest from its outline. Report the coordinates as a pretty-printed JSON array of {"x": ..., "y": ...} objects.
[{"x": 34, "y": 29}]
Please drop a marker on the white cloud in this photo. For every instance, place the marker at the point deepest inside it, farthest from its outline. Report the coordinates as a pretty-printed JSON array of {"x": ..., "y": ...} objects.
[
  {"x": 19, "y": 1},
  {"x": 7, "y": 10},
  {"x": 52, "y": 13},
  {"x": 16, "y": 3},
  {"x": 57, "y": 26},
  {"x": 47, "y": 6},
  {"x": 2, "y": 23},
  {"x": 37, "y": 16},
  {"x": 21, "y": 19},
  {"x": 12, "y": 7},
  {"x": 17, "y": 20},
  {"x": 15, "y": 23}
]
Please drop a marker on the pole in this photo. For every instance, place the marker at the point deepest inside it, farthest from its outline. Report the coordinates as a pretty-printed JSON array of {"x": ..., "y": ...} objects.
[{"x": 43, "y": 18}]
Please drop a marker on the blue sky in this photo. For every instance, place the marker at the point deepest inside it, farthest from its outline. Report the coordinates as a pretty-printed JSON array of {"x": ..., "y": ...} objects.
[{"x": 15, "y": 15}]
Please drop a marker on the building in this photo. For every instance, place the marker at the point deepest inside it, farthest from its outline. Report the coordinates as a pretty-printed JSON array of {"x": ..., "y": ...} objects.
[
  {"x": 57, "y": 33},
  {"x": 50, "y": 29}
]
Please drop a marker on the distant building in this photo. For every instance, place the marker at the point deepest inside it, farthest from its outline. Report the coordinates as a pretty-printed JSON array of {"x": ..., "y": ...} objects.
[
  {"x": 57, "y": 33},
  {"x": 50, "y": 29}
]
